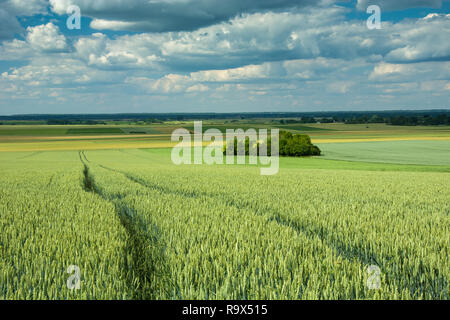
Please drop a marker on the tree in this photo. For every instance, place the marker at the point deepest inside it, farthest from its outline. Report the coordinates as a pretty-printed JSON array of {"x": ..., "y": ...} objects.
[{"x": 291, "y": 145}]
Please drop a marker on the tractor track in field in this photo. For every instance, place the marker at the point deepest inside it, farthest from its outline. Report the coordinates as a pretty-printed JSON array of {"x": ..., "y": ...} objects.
[
  {"x": 366, "y": 256},
  {"x": 146, "y": 271},
  {"x": 30, "y": 155},
  {"x": 271, "y": 215}
]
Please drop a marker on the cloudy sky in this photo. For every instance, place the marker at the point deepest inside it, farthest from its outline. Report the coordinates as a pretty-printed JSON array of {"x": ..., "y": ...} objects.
[{"x": 223, "y": 56}]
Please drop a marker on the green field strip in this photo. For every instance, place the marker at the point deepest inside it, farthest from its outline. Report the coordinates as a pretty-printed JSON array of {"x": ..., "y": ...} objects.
[
  {"x": 223, "y": 128},
  {"x": 32, "y": 131},
  {"x": 94, "y": 131},
  {"x": 162, "y": 157},
  {"x": 301, "y": 128},
  {"x": 400, "y": 152}
]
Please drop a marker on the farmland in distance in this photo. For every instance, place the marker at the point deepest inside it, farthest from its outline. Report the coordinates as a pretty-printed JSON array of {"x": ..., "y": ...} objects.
[{"x": 111, "y": 202}]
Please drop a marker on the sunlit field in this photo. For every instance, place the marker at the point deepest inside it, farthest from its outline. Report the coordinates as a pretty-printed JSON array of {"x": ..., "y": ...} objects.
[
  {"x": 224, "y": 158},
  {"x": 139, "y": 227},
  {"x": 94, "y": 137}
]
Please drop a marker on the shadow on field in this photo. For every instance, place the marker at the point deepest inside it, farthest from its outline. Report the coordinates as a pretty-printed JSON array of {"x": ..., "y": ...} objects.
[{"x": 143, "y": 267}]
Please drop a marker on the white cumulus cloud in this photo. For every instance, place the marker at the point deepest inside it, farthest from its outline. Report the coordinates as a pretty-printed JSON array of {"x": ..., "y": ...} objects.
[{"x": 46, "y": 37}]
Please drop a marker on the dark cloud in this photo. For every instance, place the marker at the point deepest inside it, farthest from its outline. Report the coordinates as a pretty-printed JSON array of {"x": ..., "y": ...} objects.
[
  {"x": 399, "y": 4},
  {"x": 10, "y": 9},
  {"x": 9, "y": 26},
  {"x": 163, "y": 16}
]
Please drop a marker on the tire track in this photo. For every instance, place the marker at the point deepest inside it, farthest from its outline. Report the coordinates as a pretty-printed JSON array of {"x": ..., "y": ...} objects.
[
  {"x": 361, "y": 252},
  {"x": 146, "y": 270},
  {"x": 30, "y": 155}
]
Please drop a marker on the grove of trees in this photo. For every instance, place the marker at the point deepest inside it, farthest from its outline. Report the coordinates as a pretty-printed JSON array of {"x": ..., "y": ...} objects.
[{"x": 290, "y": 145}]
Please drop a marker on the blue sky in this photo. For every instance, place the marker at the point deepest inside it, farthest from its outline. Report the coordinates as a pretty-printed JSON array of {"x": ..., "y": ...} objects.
[{"x": 223, "y": 56}]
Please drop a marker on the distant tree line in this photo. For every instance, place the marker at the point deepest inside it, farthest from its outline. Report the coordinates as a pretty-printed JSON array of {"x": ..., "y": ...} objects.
[
  {"x": 399, "y": 117},
  {"x": 290, "y": 145},
  {"x": 401, "y": 120},
  {"x": 73, "y": 122},
  {"x": 396, "y": 120}
]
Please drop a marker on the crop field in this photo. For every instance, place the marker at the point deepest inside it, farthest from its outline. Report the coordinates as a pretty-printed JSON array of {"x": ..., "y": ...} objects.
[
  {"x": 408, "y": 152},
  {"x": 92, "y": 131},
  {"x": 20, "y": 138},
  {"x": 139, "y": 227}
]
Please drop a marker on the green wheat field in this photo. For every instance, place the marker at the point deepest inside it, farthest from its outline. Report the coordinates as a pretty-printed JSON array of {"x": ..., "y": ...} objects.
[{"x": 110, "y": 201}]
